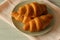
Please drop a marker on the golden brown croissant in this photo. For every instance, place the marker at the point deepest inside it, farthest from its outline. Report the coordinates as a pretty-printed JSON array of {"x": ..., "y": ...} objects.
[
  {"x": 29, "y": 11},
  {"x": 33, "y": 9},
  {"x": 38, "y": 23}
]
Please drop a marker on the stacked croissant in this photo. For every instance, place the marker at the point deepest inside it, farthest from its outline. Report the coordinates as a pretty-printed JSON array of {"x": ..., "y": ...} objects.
[{"x": 34, "y": 16}]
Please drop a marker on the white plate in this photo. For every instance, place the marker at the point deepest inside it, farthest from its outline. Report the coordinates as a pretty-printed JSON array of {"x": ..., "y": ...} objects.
[{"x": 19, "y": 24}]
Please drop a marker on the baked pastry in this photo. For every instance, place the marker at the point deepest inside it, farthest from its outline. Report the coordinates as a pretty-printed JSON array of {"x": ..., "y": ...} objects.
[
  {"x": 29, "y": 11},
  {"x": 33, "y": 9},
  {"x": 38, "y": 23}
]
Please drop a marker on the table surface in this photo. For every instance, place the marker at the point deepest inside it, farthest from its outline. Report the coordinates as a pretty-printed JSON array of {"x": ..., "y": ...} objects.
[{"x": 9, "y": 33}]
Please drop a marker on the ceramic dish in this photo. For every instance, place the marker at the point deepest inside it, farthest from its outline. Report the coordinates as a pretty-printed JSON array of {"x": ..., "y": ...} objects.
[{"x": 19, "y": 24}]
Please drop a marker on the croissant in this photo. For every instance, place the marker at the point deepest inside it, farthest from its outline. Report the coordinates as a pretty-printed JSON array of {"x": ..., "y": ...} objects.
[
  {"x": 29, "y": 11},
  {"x": 38, "y": 23},
  {"x": 33, "y": 9}
]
